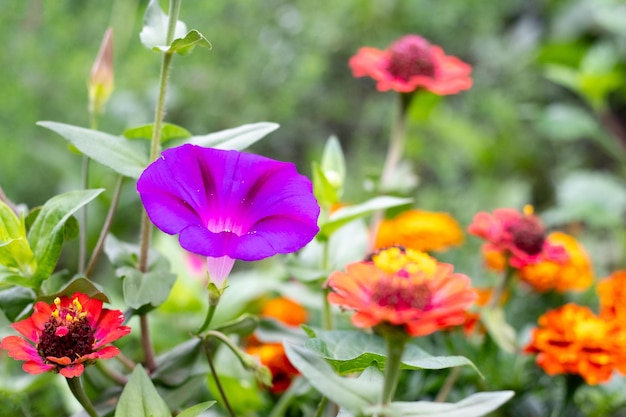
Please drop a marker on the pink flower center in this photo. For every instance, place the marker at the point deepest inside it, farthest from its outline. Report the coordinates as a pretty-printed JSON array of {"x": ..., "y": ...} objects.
[
  {"x": 528, "y": 235},
  {"x": 73, "y": 340},
  {"x": 401, "y": 293},
  {"x": 411, "y": 56}
]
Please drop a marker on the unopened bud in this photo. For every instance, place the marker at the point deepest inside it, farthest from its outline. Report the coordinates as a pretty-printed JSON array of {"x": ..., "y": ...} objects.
[{"x": 101, "y": 77}]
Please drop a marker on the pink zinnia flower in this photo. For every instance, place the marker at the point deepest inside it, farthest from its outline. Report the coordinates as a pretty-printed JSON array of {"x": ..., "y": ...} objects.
[
  {"x": 519, "y": 236},
  {"x": 67, "y": 335},
  {"x": 411, "y": 63}
]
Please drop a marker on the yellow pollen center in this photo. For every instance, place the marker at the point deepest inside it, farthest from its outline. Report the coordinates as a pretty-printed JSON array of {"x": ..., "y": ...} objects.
[{"x": 394, "y": 259}]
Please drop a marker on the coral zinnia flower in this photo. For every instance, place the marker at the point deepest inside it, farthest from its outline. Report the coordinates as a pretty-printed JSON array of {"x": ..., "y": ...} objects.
[
  {"x": 574, "y": 274},
  {"x": 68, "y": 334},
  {"x": 520, "y": 237},
  {"x": 411, "y": 63},
  {"x": 612, "y": 294},
  {"x": 409, "y": 290},
  {"x": 229, "y": 205},
  {"x": 420, "y": 230},
  {"x": 573, "y": 340}
]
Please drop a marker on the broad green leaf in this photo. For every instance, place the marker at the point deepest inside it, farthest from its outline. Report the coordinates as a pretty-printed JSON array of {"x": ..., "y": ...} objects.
[
  {"x": 80, "y": 284},
  {"x": 346, "y": 214},
  {"x": 497, "y": 327},
  {"x": 153, "y": 35},
  {"x": 15, "y": 301},
  {"x": 174, "y": 366},
  {"x": 354, "y": 351},
  {"x": 15, "y": 252},
  {"x": 238, "y": 138},
  {"x": 184, "y": 46},
  {"x": 334, "y": 164},
  {"x": 47, "y": 233},
  {"x": 149, "y": 288},
  {"x": 567, "y": 122},
  {"x": 325, "y": 192},
  {"x": 115, "y": 152},
  {"x": 349, "y": 393},
  {"x": 168, "y": 131},
  {"x": 195, "y": 410},
  {"x": 140, "y": 398},
  {"x": 475, "y": 405},
  {"x": 564, "y": 76}
]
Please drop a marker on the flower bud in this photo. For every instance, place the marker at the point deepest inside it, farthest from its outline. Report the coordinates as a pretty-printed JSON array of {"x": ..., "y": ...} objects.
[{"x": 101, "y": 77}]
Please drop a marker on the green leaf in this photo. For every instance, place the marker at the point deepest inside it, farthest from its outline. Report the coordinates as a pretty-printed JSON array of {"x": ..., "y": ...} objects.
[
  {"x": 15, "y": 301},
  {"x": 567, "y": 122},
  {"x": 168, "y": 131},
  {"x": 140, "y": 398},
  {"x": 15, "y": 252},
  {"x": 354, "y": 351},
  {"x": 346, "y": 214},
  {"x": 475, "y": 405},
  {"x": 334, "y": 164},
  {"x": 184, "y": 46},
  {"x": 325, "y": 192},
  {"x": 174, "y": 366},
  {"x": 115, "y": 152},
  {"x": 80, "y": 284},
  {"x": 195, "y": 410},
  {"x": 501, "y": 332},
  {"x": 47, "y": 233},
  {"x": 349, "y": 393},
  {"x": 153, "y": 35},
  {"x": 238, "y": 138}
]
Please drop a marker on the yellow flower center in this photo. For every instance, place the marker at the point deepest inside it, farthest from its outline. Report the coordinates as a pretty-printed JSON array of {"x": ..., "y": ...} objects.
[{"x": 394, "y": 259}]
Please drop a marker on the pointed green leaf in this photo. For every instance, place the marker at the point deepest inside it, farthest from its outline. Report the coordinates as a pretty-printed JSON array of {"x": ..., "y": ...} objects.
[
  {"x": 184, "y": 46},
  {"x": 325, "y": 192},
  {"x": 15, "y": 252},
  {"x": 349, "y": 393},
  {"x": 353, "y": 351},
  {"x": 140, "y": 398},
  {"x": 501, "y": 332},
  {"x": 475, "y": 405},
  {"x": 154, "y": 32},
  {"x": 80, "y": 284},
  {"x": 47, "y": 233},
  {"x": 346, "y": 214},
  {"x": 334, "y": 164},
  {"x": 115, "y": 152},
  {"x": 238, "y": 138},
  {"x": 15, "y": 301},
  {"x": 168, "y": 131},
  {"x": 195, "y": 410},
  {"x": 149, "y": 288}
]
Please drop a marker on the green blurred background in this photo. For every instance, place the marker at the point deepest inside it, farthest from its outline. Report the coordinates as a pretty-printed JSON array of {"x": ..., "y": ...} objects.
[{"x": 548, "y": 74}]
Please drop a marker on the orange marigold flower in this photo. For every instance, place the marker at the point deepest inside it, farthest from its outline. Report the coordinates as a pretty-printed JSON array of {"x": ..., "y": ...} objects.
[
  {"x": 407, "y": 289},
  {"x": 573, "y": 340},
  {"x": 520, "y": 237},
  {"x": 412, "y": 63},
  {"x": 612, "y": 294},
  {"x": 420, "y": 230},
  {"x": 573, "y": 274},
  {"x": 67, "y": 335}
]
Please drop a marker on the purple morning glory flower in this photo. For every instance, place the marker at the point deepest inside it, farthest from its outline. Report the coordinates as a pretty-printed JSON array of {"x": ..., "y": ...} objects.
[{"x": 229, "y": 205}]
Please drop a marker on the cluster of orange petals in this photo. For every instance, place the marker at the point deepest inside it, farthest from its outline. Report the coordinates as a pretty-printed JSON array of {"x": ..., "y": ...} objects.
[
  {"x": 402, "y": 288},
  {"x": 573, "y": 274},
  {"x": 612, "y": 294},
  {"x": 420, "y": 230},
  {"x": 273, "y": 355},
  {"x": 517, "y": 237},
  {"x": 412, "y": 63},
  {"x": 574, "y": 340}
]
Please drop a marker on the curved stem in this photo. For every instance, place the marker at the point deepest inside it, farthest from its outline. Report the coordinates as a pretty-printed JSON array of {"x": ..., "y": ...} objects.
[
  {"x": 207, "y": 351},
  {"x": 112, "y": 374},
  {"x": 146, "y": 344},
  {"x": 78, "y": 391},
  {"x": 208, "y": 318},
  {"x": 395, "y": 348},
  {"x": 105, "y": 228},
  {"x": 448, "y": 384}
]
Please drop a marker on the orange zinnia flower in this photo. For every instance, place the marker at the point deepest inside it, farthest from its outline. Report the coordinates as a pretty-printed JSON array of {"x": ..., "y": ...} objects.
[
  {"x": 573, "y": 340},
  {"x": 574, "y": 274},
  {"x": 411, "y": 63},
  {"x": 408, "y": 289},
  {"x": 273, "y": 355},
  {"x": 420, "y": 230},
  {"x": 520, "y": 237},
  {"x": 612, "y": 293}
]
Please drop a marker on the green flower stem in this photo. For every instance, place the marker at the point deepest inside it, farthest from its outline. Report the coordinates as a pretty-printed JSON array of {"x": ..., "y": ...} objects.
[
  {"x": 327, "y": 316},
  {"x": 214, "y": 298},
  {"x": 395, "y": 349},
  {"x": 145, "y": 232},
  {"x": 105, "y": 228},
  {"x": 112, "y": 374},
  {"x": 448, "y": 384},
  {"x": 502, "y": 286},
  {"x": 82, "y": 231},
  {"x": 209, "y": 356},
  {"x": 321, "y": 407},
  {"x": 78, "y": 391},
  {"x": 243, "y": 357}
]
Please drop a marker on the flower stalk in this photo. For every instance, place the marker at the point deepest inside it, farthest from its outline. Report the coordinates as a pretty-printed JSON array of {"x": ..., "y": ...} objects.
[
  {"x": 395, "y": 342},
  {"x": 79, "y": 393}
]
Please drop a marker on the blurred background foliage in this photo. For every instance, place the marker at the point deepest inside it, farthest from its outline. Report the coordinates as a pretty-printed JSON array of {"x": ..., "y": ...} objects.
[{"x": 545, "y": 122}]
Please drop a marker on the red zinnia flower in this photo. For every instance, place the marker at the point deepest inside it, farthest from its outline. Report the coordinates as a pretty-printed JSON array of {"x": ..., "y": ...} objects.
[
  {"x": 71, "y": 332},
  {"x": 403, "y": 288},
  {"x": 519, "y": 236},
  {"x": 411, "y": 63}
]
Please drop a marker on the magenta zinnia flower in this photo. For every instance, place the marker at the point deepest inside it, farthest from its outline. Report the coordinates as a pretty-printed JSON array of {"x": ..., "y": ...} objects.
[
  {"x": 229, "y": 205},
  {"x": 411, "y": 63},
  {"x": 71, "y": 332}
]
